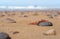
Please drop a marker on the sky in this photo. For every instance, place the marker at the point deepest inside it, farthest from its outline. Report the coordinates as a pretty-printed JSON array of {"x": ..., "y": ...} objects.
[{"x": 43, "y": 3}]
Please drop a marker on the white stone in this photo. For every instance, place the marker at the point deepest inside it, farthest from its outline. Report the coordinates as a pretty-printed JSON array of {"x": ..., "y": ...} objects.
[{"x": 50, "y": 32}]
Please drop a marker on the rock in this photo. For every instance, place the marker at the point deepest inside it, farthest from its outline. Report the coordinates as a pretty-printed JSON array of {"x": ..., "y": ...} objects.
[
  {"x": 52, "y": 15},
  {"x": 9, "y": 20},
  {"x": 2, "y": 15},
  {"x": 16, "y": 32},
  {"x": 45, "y": 24},
  {"x": 50, "y": 32},
  {"x": 42, "y": 23},
  {"x": 25, "y": 16},
  {"x": 4, "y": 35}
]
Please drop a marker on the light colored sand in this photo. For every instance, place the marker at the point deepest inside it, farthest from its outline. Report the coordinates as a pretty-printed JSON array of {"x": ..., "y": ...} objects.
[{"x": 29, "y": 31}]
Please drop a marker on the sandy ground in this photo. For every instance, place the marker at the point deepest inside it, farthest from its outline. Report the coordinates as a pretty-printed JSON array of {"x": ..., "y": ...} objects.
[{"x": 25, "y": 30}]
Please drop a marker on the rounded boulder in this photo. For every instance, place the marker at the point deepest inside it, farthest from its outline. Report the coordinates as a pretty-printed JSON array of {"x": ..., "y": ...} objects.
[
  {"x": 45, "y": 24},
  {"x": 4, "y": 35}
]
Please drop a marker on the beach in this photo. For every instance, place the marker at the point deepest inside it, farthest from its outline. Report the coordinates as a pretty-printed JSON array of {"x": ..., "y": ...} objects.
[{"x": 22, "y": 25}]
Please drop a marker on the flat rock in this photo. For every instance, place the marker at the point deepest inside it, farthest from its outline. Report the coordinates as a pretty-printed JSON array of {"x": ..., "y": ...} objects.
[
  {"x": 45, "y": 24},
  {"x": 10, "y": 20},
  {"x": 53, "y": 15},
  {"x": 50, "y": 32}
]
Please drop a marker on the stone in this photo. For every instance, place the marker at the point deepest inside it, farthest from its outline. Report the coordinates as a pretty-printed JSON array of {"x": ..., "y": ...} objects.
[
  {"x": 16, "y": 32},
  {"x": 52, "y": 15},
  {"x": 4, "y": 35},
  {"x": 45, "y": 24},
  {"x": 25, "y": 16},
  {"x": 50, "y": 32},
  {"x": 9, "y": 20}
]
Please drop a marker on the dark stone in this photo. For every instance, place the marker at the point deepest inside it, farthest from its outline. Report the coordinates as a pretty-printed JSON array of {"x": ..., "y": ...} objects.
[
  {"x": 25, "y": 16},
  {"x": 45, "y": 24},
  {"x": 4, "y": 36},
  {"x": 15, "y": 32},
  {"x": 2, "y": 15}
]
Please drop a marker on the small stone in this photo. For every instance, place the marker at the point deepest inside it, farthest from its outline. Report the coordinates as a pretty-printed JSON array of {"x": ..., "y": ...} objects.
[
  {"x": 50, "y": 32},
  {"x": 16, "y": 32},
  {"x": 52, "y": 15},
  {"x": 2, "y": 15},
  {"x": 9, "y": 20},
  {"x": 25, "y": 16}
]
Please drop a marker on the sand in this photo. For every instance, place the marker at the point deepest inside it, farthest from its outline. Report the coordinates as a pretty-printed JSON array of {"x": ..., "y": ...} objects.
[{"x": 25, "y": 30}]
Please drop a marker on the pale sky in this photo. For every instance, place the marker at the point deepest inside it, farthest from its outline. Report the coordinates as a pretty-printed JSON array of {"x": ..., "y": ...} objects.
[{"x": 44, "y": 3}]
